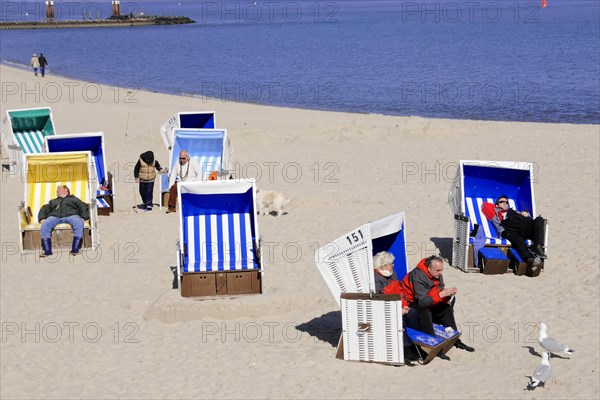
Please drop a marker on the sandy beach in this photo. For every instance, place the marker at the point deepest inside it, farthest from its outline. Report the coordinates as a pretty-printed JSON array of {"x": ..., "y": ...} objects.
[{"x": 110, "y": 325}]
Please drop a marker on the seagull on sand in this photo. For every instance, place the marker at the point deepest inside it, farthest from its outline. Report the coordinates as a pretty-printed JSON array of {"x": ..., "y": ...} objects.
[
  {"x": 552, "y": 345},
  {"x": 541, "y": 374}
]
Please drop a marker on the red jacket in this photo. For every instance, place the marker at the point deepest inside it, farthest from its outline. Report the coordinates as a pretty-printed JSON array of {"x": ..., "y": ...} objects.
[
  {"x": 490, "y": 211},
  {"x": 396, "y": 288},
  {"x": 419, "y": 287}
]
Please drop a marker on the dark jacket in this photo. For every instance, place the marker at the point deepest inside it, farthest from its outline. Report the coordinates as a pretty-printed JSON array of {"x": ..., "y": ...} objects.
[
  {"x": 43, "y": 61},
  {"x": 64, "y": 207},
  {"x": 419, "y": 287},
  {"x": 148, "y": 158},
  {"x": 381, "y": 281}
]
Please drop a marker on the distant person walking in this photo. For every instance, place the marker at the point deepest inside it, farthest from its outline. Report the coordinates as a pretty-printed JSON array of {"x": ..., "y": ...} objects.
[
  {"x": 35, "y": 64},
  {"x": 43, "y": 64}
]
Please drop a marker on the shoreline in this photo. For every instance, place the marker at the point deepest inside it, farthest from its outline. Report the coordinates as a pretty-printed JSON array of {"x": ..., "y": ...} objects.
[{"x": 23, "y": 67}]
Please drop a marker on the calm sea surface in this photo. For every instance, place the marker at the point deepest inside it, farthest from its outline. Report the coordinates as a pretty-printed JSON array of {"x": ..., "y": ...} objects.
[{"x": 491, "y": 60}]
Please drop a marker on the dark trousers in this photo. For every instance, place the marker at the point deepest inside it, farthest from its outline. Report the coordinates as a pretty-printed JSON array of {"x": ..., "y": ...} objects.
[
  {"x": 147, "y": 191},
  {"x": 441, "y": 313},
  {"x": 410, "y": 320},
  {"x": 533, "y": 230}
]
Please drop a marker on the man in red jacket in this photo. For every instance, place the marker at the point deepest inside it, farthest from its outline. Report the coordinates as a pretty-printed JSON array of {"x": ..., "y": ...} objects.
[{"x": 424, "y": 289}]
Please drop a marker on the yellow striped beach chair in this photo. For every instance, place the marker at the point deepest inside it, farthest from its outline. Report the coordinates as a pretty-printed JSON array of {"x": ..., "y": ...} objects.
[{"x": 43, "y": 173}]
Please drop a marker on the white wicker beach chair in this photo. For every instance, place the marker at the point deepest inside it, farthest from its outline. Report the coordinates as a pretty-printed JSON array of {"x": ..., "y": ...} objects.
[{"x": 372, "y": 323}]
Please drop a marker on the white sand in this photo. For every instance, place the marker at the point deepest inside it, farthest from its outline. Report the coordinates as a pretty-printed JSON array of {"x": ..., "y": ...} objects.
[{"x": 249, "y": 346}]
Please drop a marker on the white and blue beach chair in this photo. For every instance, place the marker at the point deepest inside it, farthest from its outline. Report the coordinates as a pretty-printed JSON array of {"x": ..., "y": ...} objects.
[
  {"x": 209, "y": 148},
  {"x": 206, "y": 146},
  {"x": 477, "y": 182},
  {"x": 372, "y": 323},
  {"x": 186, "y": 120},
  {"x": 23, "y": 132},
  {"x": 218, "y": 250},
  {"x": 93, "y": 142}
]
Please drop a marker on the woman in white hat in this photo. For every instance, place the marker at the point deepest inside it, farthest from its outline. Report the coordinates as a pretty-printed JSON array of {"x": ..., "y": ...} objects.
[{"x": 35, "y": 64}]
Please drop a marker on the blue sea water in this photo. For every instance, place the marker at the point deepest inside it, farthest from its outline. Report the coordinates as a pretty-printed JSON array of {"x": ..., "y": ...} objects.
[{"x": 491, "y": 60}]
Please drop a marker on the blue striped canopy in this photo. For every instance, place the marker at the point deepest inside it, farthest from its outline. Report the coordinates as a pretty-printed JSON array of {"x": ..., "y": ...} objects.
[
  {"x": 203, "y": 145},
  {"x": 218, "y": 226}
]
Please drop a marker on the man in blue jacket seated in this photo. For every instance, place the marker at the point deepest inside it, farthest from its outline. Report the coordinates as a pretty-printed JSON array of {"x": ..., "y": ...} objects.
[{"x": 64, "y": 209}]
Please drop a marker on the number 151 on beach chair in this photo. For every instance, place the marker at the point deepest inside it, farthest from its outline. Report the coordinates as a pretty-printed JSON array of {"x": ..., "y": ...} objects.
[
  {"x": 372, "y": 323},
  {"x": 219, "y": 248}
]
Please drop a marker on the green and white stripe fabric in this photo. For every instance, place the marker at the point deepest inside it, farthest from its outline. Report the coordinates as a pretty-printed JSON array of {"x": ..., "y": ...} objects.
[{"x": 31, "y": 142}]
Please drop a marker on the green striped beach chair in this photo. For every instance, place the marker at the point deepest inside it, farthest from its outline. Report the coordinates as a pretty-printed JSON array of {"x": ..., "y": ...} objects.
[{"x": 23, "y": 132}]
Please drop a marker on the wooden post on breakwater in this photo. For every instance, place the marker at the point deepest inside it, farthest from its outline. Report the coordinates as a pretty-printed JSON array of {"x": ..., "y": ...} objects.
[
  {"x": 116, "y": 8},
  {"x": 50, "y": 10}
]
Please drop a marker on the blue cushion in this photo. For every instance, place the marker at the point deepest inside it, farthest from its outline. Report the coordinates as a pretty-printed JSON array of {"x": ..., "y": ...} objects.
[
  {"x": 513, "y": 254},
  {"x": 422, "y": 338},
  {"x": 492, "y": 253}
]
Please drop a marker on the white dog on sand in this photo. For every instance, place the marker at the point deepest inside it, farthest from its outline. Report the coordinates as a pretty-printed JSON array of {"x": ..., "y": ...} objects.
[{"x": 270, "y": 200}]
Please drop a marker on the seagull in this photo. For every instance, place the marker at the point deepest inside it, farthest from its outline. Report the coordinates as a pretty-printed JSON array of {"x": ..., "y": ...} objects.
[
  {"x": 552, "y": 345},
  {"x": 541, "y": 374}
]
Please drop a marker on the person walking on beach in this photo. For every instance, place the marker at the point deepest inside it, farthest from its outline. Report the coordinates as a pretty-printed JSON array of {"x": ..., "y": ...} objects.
[
  {"x": 43, "y": 64},
  {"x": 144, "y": 173},
  {"x": 35, "y": 64}
]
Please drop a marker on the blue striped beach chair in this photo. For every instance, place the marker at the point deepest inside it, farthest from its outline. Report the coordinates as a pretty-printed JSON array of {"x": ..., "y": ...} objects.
[
  {"x": 43, "y": 173},
  {"x": 218, "y": 250},
  {"x": 93, "y": 142},
  {"x": 210, "y": 148},
  {"x": 477, "y": 182},
  {"x": 23, "y": 132},
  {"x": 372, "y": 323},
  {"x": 186, "y": 120}
]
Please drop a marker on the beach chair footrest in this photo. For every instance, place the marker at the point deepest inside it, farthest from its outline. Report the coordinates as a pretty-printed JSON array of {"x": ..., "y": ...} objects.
[
  {"x": 493, "y": 260},
  {"x": 104, "y": 211},
  {"x": 61, "y": 239},
  {"x": 520, "y": 267},
  {"x": 107, "y": 202},
  {"x": 222, "y": 283}
]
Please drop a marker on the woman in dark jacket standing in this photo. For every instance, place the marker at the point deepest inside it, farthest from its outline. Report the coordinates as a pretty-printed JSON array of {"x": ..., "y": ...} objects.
[{"x": 144, "y": 173}]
